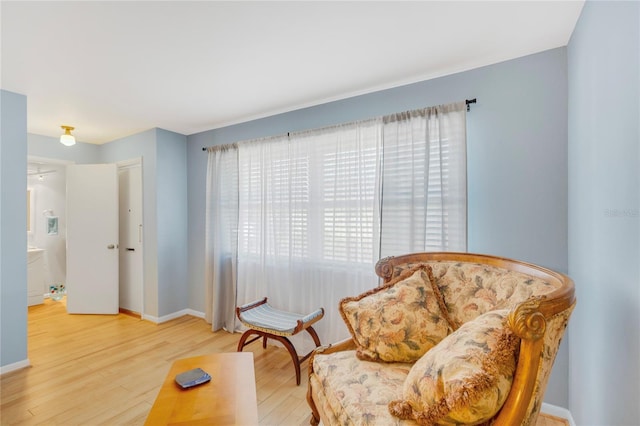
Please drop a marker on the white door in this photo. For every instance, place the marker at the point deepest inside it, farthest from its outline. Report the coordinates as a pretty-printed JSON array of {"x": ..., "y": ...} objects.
[
  {"x": 92, "y": 239},
  {"x": 131, "y": 266}
]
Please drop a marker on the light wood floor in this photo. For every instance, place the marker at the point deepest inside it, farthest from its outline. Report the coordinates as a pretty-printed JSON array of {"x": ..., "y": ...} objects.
[{"x": 107, "y": 370}]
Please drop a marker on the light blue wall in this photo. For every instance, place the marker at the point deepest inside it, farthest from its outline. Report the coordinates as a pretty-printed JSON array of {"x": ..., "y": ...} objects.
[
  {"x": 196, "y": 195},
  {"x": 143, "y": 145},
  {"x": 517, "y": 162},
  {"x": 51, "y": 148},
  {"x": 604, "y": 214},
  {"x": 13, "y": 238},
  {"x": 172, "y": 222}
]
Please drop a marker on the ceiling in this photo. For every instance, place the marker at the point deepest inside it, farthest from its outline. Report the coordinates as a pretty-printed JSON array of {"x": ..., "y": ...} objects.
[{"x": 112, "y": 69}]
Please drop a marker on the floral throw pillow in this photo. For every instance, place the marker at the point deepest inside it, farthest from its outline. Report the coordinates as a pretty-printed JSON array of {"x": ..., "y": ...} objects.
[
  {"x": 399, "y": 321},
  {"x": 466, "y": 378}
]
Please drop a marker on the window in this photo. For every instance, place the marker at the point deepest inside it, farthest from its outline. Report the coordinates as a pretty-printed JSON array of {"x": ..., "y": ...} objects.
[
  {"x": 315, "y": 210},
  {"x": 312, "y": 198}
]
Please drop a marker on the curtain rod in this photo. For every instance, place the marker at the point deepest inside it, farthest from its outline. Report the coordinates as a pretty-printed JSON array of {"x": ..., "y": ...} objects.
[
  {"x": 467, "y": 101},
  {"x": 223, "y": 146}
]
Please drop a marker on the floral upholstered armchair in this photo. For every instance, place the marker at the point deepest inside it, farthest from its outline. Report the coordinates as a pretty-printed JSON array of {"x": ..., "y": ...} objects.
[{"x": 448, "y": 339}]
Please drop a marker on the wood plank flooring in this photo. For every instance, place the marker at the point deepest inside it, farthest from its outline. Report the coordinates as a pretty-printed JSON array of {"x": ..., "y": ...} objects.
[{"x": 107, "y": 370}]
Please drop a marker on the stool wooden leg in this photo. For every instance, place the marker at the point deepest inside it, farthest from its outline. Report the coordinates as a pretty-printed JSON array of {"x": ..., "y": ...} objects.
[
  {"x": 243, "y": 340},
  {"x": 314, "y": 335},
  {"x": 286, "y": 342},
  {"x": 292, "y": 351}
]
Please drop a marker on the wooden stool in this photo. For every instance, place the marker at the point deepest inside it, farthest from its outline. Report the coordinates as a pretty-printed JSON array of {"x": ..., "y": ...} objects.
[{"x": 270, "y": 323}]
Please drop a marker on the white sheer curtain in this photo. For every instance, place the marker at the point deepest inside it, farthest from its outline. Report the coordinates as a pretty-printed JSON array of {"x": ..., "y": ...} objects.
[
  {"x": 424, "y": 181},
  {"x": 303, "y": 219},
  {"x": 308, "y": 220},
  {"x": 221, "y": 244}
]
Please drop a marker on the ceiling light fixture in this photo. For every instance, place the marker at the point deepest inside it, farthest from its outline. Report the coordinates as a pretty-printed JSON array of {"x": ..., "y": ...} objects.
[{"x": 67, "y": 138}]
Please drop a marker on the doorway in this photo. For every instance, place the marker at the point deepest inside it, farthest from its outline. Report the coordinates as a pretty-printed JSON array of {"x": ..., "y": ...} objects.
[{"x": 47, "y": 182}]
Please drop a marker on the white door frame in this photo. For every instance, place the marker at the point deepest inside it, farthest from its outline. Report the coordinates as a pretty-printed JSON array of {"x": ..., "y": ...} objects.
[{"x": 137, "y": 162}]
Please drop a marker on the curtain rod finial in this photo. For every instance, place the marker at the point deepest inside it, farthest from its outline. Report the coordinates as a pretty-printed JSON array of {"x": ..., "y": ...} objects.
[{"x": 469, "y": 102}]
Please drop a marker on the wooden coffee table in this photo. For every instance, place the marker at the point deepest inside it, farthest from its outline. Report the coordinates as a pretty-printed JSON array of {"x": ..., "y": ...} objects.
[{"x": 228, "y": 399}]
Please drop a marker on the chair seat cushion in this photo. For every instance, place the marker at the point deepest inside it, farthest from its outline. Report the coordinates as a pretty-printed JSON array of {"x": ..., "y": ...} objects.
[{"x": 357, "y": 391}]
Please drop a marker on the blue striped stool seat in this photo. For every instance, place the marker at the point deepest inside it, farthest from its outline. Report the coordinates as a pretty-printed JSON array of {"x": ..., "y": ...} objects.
[
  {"x": 266, "y": 322},
  {"x": 265, "y": 318}
]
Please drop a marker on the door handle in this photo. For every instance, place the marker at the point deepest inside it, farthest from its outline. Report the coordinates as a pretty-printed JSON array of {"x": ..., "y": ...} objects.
[
  {"x": 130, "y": 249},
  {"x": 111, "y": 246}
]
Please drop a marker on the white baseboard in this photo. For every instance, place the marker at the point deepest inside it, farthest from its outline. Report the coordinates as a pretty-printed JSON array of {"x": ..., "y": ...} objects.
[
  {"x": 554, "y": 410},
  {"x": 149, "y": 318},
  {"x": 196, "y": 314},
  {"x": 172, "y": 316},
  {"x": 15, "y": 366}
]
